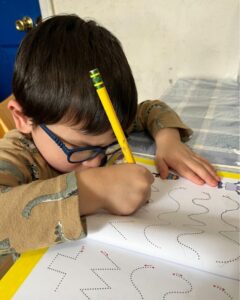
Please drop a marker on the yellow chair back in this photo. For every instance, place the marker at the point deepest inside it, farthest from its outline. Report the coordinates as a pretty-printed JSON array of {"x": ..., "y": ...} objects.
[{"x": 6, "y": 120}]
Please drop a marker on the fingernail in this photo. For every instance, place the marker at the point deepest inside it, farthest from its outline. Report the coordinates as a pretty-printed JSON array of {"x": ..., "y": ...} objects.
[{"x": 214, "y": 183}]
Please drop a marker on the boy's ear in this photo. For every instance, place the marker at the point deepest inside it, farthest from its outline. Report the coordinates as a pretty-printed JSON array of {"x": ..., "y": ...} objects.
[{"x": 22, "y": 122}]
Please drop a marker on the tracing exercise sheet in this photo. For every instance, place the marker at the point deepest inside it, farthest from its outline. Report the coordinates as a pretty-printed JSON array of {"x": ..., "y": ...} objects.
[
  {"x": 196, "y": 226},
  {"x": 183, "y": 244}
]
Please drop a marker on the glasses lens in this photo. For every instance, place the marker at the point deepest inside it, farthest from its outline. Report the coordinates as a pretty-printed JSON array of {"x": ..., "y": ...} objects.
[
  {"x": 79, "y": 156},
  {"x": 112, "y": 149},
  {"x": 83, "y": 155}
]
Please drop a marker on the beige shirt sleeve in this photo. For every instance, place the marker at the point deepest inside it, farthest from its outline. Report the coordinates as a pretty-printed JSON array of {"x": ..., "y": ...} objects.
[
  {"x": 39, "y": 207},
  {"x": 155, "y": 115}
]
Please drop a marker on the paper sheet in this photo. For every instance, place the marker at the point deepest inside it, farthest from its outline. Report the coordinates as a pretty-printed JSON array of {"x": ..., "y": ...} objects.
[
  {"x": 196, "y": 226},
  {"x": 184, "y": 244},
  {"x": 94, "y": 270}
]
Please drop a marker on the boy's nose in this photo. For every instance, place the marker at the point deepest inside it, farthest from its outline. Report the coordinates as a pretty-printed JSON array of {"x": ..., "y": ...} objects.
[{"x": 94, "y": 162}]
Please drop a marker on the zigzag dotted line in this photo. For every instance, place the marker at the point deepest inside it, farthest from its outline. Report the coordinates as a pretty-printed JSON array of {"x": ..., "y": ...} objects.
[
  {"x": 223, "y": 290},
  {"x": 64, "y": 274},
  {"x": 122, "y": 235},
  {"x": 131, "y": 278},
  {"x": 61, "y": 272},
  {"x": 95, "y": 270},
  {"x": 179, "y": 292}
]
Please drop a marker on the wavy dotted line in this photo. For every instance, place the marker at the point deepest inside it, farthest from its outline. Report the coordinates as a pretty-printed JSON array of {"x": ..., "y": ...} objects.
[
  {"x": 95, "y": 270},
  {"x": 176, "y": 201},
  {"x": 227, "y": 261},
  {"x": 222, "y": 290},
  {"x": 146, "y": 237},
  {"x": 231, "y": 260},
  {"x": 179, "y": 292},
  {"x": 112, "y": 223},
  {"x": 229, "y": 224},
  {"x": 133, "y": 273},
  {"x": 164, "y": 213},
  {"x": 201, "y": 223},
  {"x": 64, "y": 274},
  {"x": 190, "y": 248}
]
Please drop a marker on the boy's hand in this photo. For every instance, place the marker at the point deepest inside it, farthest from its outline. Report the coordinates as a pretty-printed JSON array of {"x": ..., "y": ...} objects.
[
  {"x": 120, "y": 189},
  {"x": 171, "y": 152}
]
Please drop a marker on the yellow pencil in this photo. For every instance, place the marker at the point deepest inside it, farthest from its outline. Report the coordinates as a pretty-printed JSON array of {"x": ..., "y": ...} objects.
[{"x": 111, "y": 114}]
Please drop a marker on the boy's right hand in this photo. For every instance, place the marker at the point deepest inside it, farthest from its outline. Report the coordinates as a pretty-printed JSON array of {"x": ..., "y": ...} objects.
[{"x": 120, "y": 189}]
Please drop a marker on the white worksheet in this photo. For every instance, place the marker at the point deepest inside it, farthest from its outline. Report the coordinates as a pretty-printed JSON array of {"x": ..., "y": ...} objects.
[{"x": 183, "y": 244}]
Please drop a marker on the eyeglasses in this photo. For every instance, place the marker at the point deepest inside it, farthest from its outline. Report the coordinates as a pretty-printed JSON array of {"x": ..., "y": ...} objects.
[{"x": 81, "y": 154}]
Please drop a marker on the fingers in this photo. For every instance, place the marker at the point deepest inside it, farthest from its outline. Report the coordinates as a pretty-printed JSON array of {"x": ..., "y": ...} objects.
[
  {"x": 162, "y": 168},
  {"x": 187, "y": 173},
  {"x": 207, "y": 166},
  {"x": 199, "y": 173},
  {"x": 187, "y": 163}
]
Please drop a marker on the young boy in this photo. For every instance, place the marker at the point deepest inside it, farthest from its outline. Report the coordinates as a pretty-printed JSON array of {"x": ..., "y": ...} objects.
[{"x": 49, "y": 165}]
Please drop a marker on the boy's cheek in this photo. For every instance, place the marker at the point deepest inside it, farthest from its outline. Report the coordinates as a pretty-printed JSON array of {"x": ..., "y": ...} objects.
[
  {"x": 58, "y": 161},
  {"x": 66, "y": 167}
]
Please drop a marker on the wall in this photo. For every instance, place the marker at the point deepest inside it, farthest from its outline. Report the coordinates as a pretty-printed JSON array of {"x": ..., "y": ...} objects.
[{"x": 166, "y": 39}]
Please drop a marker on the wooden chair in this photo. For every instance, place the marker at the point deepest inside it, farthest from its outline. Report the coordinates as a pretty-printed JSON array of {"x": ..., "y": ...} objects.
[
  {"x": 6, "y": 263},
  {"x": 6, "y": 120}
]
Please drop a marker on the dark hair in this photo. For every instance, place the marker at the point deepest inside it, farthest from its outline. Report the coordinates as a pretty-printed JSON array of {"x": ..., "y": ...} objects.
[{"x": 51, "y": 75}]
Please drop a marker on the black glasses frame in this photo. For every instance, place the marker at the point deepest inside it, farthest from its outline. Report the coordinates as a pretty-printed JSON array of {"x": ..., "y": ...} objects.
[{"x": 96, "y": 150}]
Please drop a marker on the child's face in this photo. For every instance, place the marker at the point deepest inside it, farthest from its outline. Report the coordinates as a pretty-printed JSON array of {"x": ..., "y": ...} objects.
[{"x": 72, "y": 138}]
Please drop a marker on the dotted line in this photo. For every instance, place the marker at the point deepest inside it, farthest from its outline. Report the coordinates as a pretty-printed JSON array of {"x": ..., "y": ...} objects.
[
  {"x": 95, "y": 270},
  {"x": 231, "y": 260},
  {"x": 171, "y": 211},
  {"x": 64, "y": 274},
  {"x": 227, "y": 261},
  {"x": 132, "y": 274},
  {"x": 201, "y": 223},
  {"x": 61, "y": 272},
  {"x": 179, "y": 292},
  {"x": 145, "y": 234},
  {"x": 114, "y": 226},
  {"x": 169, "y": 194},
  {"x": 229, "y": 224},
  {"x": 164, "y": 213},
  {"x": 222, "y": 290},
  {"x": 117, "y": 268},
  {"x": 190, "y": 248}
]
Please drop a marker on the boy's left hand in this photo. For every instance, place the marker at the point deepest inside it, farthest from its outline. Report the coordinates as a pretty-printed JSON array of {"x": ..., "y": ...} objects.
[{"x": 172, "y": 153}]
